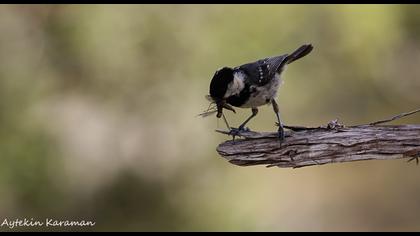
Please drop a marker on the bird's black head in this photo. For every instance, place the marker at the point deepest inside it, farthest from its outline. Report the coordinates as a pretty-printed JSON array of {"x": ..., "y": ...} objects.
[
  {"x": 218, "y": 87},
  {"x": 220, "y": 82}
]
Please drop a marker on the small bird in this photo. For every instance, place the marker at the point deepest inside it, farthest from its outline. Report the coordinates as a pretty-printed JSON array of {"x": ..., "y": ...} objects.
[{"x": 252, "y": 85}]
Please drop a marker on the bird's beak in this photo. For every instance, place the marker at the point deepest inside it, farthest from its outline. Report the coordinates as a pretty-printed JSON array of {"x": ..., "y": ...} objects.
[
  {"x": 222, "y": 105},
  {"x": 219, "y": 110},
  {"x": 229, "y": 107}
]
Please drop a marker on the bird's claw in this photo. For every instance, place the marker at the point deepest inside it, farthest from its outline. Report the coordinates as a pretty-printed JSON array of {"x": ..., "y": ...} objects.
[
  {"x": 281, "y": 134},
  {"x": 237, "y": 131},
  {"x": 280, "y": 131}
]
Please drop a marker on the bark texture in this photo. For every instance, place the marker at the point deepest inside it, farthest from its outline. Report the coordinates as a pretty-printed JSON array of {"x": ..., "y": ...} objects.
[{"x": 329, "y": 144}]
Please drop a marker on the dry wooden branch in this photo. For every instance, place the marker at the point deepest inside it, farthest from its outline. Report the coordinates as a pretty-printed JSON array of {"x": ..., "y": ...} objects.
[{"x": 332, "y": 143}]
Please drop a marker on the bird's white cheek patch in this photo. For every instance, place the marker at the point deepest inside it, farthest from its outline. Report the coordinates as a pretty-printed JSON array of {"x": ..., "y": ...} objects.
[{"x": 236, "y": 86}]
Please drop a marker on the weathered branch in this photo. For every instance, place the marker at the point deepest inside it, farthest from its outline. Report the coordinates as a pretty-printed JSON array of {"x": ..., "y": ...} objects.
[{"x": 327, "y": 144}]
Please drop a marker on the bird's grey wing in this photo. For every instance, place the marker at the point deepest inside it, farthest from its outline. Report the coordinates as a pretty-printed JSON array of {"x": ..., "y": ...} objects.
[
  {"x": 276, "y": 64},
  {"x": 263, "y": 71}
]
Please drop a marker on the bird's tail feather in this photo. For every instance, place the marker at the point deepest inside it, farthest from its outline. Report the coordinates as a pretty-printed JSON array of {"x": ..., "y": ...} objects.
[{"x": 299, "y": 53}]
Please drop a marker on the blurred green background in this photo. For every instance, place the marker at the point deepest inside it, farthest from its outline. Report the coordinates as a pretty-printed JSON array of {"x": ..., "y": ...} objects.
[{"x": 98, "y": 108}]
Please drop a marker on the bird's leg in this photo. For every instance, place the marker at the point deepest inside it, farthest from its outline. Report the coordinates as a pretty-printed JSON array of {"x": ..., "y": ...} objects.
[
  {"x": 276, "y": 110},
  {"x": 227, "y": 124},
  {"x": 234, "y": 131},
  {"x": 254, "y": 113}
]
